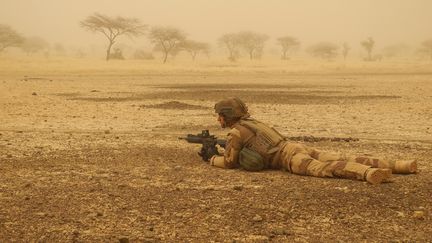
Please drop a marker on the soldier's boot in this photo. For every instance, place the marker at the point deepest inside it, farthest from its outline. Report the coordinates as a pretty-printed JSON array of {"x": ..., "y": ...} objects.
[
  {"x": 377, "y": 175},
  {"x": 403, "y": 166}
]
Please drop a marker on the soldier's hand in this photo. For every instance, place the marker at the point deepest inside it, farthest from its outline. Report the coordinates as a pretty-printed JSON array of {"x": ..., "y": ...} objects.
[{"x": 207, "y": 153}]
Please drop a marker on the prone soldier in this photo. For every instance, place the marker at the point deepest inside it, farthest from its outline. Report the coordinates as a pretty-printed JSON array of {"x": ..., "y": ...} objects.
[{"x": 254, "y": 146}]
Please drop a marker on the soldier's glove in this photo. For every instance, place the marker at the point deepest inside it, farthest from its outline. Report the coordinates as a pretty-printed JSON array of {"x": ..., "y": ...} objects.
[{"x": 207, "y": 152}]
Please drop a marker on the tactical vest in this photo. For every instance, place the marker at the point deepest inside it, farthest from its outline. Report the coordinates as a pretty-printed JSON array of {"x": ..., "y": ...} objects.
[{"x": 264, "y": 142}]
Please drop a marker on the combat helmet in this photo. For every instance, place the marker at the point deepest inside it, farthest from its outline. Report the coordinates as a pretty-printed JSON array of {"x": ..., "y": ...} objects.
[{"x": 232, "y": 108}]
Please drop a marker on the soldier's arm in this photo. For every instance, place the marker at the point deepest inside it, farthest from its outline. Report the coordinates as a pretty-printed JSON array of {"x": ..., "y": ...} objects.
[{"x": 230, "y": 157}]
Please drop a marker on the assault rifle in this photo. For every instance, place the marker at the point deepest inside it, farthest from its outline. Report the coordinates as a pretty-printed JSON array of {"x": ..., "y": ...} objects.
[{"x": 208, "y": 142}]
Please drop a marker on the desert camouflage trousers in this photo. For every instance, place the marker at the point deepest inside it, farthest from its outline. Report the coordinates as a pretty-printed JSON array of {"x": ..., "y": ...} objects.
[{"x": 303, "y": 160}]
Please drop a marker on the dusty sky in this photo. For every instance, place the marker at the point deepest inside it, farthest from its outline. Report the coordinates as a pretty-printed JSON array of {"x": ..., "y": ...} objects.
[{"x": 388, "y": 21}]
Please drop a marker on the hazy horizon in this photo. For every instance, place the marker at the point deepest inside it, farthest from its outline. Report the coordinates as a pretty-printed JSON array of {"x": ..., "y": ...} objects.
[{"x": 388, "y": 22}]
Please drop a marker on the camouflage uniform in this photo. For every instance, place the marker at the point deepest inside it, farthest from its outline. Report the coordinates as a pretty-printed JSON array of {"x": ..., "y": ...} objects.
[{"x": 297, "y": 158}]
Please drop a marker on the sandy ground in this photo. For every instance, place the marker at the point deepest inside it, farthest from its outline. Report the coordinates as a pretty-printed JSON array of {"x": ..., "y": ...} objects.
[{"x": 89, "y": 152}]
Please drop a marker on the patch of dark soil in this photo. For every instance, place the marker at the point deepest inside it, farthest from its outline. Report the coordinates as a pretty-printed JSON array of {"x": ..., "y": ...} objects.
[
  {"x": 235, "y": 86},
  {"x": 121, "y": 92},
  {"x": 257, "y": 93},
  {"x": 280, "y": 97},
  {"x": 110, "y": 99},
  {"x": 272, "y": 97},
  {"x": 282, "y": 88},
  {"x": 313, "y": 139},
  {"x": 176, "y": 105},
  {"x": 26, "y": 78},
  {"x": 68, "y": 94}
]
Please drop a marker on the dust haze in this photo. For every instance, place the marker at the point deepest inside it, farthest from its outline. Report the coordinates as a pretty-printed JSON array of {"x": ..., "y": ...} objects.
[
  {"x": 94, "y": 95},
  {"x": 388, "y": 22}
]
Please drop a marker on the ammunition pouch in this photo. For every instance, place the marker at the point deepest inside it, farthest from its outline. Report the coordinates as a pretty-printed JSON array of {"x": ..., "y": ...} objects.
[{"x": 251, "y": 160}]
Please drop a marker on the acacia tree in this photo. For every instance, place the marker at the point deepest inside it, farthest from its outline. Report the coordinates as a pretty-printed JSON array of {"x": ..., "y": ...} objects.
[
  {"x": 368, "y": 45},
  {"x": 231, "y": 42},
  {"x": 288, "y": 44},
  {"x": 34, "y": 44},
  {"x": 167, "y": 40},
  {"x": 426, "y": 48},
  {"x": 345, "y": 50},
  {"x": 113, "y": 27},
  {"x": 252, "y": 43},
  {"x": 324, "y": 50},
  {"x": 9, "y": 37},
  {"x": 195, "y": 47}
]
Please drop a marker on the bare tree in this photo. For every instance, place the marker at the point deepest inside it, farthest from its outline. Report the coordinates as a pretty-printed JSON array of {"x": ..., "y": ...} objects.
[
  {"x": 195, "y": 47},
  {"x": 231, "y": 42},
  {"x": 288, "y": 44},
  {"x": 252, "y": 43},
  {"x": 9, "y": 37},
  {"x": 112, "y": 27},
  {"x": 368, "y": 45},
  {"x": 167, "y": 40},
  {"x": 324, "y": 50},
  {"x": 345, "y": 50},
  {"x": 34, "y": 44},
  {"x": 426, "y": 48}
]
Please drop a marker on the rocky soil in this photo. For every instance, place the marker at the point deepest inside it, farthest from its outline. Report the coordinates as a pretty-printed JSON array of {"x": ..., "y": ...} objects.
[{"x": 96, "y": 157}]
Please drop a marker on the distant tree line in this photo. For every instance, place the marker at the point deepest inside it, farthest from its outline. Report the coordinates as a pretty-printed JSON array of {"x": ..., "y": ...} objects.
[
  {"x": 10, "y": 38},
  {"x": 170, "y": 41}
]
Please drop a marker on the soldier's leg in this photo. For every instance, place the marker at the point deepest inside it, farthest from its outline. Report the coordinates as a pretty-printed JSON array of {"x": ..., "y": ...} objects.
[
  {"x": 296, "y": 159},
  {"x": 326, "y": 156},
  {"x": 303, "y": 164},
  {"x": 397, "y": 167}
]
